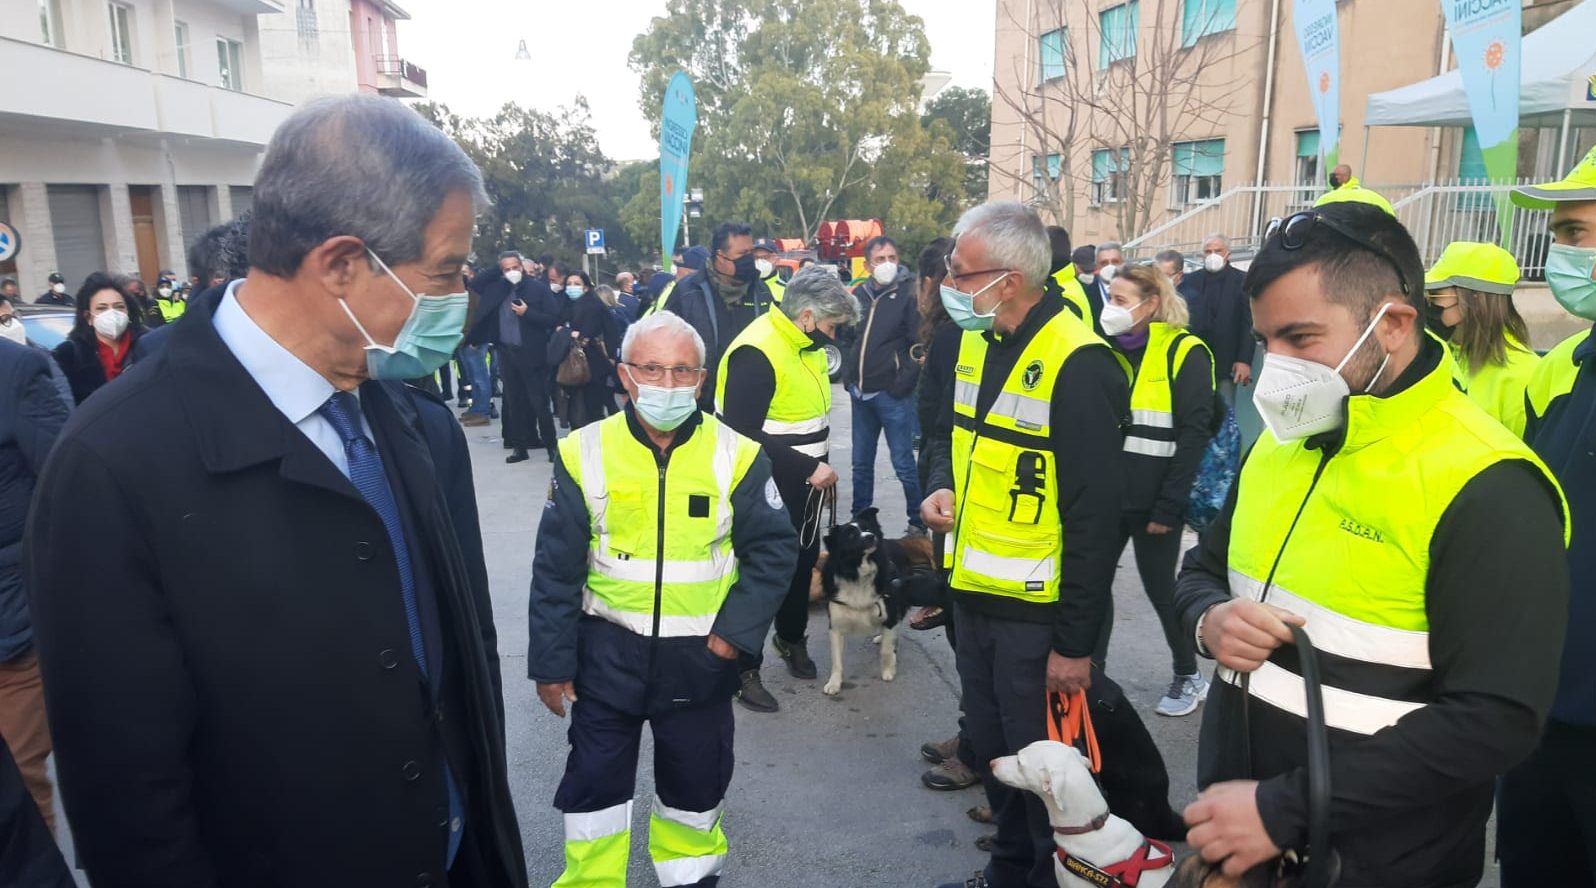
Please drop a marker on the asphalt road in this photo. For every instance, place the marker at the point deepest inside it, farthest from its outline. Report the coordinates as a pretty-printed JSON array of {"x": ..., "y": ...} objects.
[{"x": 827, "y": 791}]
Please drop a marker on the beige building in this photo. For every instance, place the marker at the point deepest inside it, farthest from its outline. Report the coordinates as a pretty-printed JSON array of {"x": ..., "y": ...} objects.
[{"x": 1201, "y": 100}]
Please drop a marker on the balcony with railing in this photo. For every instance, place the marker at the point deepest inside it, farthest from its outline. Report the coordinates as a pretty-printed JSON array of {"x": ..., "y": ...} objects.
[{"x": 400, "y": 78}]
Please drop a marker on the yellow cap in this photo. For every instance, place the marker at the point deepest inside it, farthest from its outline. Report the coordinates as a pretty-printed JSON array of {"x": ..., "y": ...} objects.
[
  {"x": 1484, "y": 267},
  {"x": 1356, "y": 194},
  {"x": 1578, "y": 185}
]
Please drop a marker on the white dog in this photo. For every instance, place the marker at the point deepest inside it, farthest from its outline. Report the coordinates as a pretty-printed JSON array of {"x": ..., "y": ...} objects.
[{"x": 1095, "y": 848}]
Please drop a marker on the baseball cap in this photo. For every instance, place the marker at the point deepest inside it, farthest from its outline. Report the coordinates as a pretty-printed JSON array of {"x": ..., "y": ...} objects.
[
  {"x": 766, "y": 244},
  {"x": 1484, "y": 267},
  {"x": 1578, "y": 185},
  {"x": 696, "y": 258},
  {"x": 56, "y": 278},
  {"x": 1357, "y": 194}
]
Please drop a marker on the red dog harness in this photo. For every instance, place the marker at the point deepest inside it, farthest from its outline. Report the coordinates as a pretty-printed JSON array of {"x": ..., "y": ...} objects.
[{"x": 1124, "y": 874}]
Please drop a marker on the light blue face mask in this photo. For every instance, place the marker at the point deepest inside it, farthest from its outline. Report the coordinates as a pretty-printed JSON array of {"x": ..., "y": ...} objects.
[
  {"x": 426, "y": 341},
  {"x": 1568, "y": 273},
  {"x": 574, "y": 292},
  {"x": 961, "y": 306},
  {"x": 664, "y": 408}
]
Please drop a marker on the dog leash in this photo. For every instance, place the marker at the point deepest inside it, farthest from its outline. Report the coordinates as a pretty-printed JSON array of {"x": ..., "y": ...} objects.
[
  {"x": 1320, "y": 871},
  {"x": 815, "y": 504},
  {"x": 1069, "y": 721}
]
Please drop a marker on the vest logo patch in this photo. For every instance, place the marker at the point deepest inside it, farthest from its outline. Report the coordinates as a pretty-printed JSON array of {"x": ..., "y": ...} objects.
[
  {"x": 964, "y": 369},
  {"x": 1032, "y": 377},
  {"x": 1361, "y": 530},
  {"x": 1034, "y": 585}
]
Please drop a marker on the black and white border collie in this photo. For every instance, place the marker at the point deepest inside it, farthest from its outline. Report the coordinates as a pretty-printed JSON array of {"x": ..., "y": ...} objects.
[{"x": 863, "y": 582}]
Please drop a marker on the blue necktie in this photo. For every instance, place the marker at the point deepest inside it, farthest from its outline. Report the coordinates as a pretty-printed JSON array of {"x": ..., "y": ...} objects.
[{"x": 367, "y": 474}]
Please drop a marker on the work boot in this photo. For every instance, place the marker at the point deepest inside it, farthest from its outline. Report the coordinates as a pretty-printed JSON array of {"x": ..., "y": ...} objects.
[
  {"x": 796, "y": 656},
  {"x": 949, "y": 776},
  {"x": 753, "y": 694},
  {"x": 976, "y": 881},
  {"x": 937, "y": 753}
]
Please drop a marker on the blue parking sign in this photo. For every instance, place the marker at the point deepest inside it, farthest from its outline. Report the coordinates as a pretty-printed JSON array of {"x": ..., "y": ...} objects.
[{"x": 595, "y": 241}]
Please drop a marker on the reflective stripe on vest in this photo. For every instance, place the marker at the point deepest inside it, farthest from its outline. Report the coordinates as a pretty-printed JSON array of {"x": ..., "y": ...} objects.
[
  {"x": 1357, "y": 562},
  {"x": 1152, "y": 431},
  {"x": 658, "y": 538},
  {"x": 1008, "y": 539},
  {"x": 799, "y": 415}
]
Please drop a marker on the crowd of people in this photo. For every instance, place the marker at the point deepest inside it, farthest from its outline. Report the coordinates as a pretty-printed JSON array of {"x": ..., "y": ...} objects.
[{"x": 244, "y": 601}]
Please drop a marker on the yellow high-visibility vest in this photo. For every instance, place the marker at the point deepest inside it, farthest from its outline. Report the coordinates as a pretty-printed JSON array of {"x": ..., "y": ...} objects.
[
  {"x": 1499, "y": 388},
  {"x": 799, "y": 415},
  {"x": 1359, "y": 522},
  {"x": 1007, "y": 538},
  {"x": 658, "y": 533},
  {"x": 1074, "y": 294},
  {"x": 1152, "y": 431}
]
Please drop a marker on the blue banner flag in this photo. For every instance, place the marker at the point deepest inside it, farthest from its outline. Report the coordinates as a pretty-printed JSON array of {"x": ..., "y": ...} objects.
[
  {"x": 676, "y": 127},
  {"x": 1319, "y": 37},
  {"x": 1485, "y": 39}
]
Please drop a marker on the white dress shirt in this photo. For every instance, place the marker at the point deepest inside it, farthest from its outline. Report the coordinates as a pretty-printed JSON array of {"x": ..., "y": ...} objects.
[{"x": 296, "y": 390}]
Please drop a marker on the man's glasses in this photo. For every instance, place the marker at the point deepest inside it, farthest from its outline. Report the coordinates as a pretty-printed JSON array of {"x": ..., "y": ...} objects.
[
  {"x": 1294, "y": 231},
  {"x": 947, "y": 262},
  {"x": 653, "y": 374}
]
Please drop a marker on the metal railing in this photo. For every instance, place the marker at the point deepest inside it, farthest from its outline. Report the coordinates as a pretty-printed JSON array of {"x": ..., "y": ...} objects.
[
  {"x": 399, "y": 67},
  {"x": 1466, "y": 210},
  {"x": 1436, "y": 215}
]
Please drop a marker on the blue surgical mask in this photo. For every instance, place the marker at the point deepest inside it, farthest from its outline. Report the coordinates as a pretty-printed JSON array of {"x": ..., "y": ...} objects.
[
  {"x": 574, "y": 292},
  {"x": 1568, "y": 273},
  {"x": 664, "y": 408},
  {"x": 425, "y": 342},
  {"x": 961, "y": 306}
]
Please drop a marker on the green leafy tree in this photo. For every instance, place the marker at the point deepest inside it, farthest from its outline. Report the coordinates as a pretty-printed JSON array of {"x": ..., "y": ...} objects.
[
  {"x": 968, "y": 114},
  {"x": 808, "y": 111},
  {"x": 548, "y": 180}
]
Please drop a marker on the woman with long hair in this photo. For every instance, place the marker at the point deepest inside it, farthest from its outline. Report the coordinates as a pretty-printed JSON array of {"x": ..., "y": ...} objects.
[
  {"x": 588, "y": 320},
  {"x": 1172, "y": 413},
  {"x": 1470, "y": 289},
  {"x": 100, "y": 345}
]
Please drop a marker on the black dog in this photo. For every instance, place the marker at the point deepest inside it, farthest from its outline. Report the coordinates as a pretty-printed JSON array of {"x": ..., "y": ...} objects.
[{"x": 863, "y": 582}]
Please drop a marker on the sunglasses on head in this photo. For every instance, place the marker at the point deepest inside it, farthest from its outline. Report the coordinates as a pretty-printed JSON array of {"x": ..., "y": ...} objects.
[{"x": 1294, "y": 231}]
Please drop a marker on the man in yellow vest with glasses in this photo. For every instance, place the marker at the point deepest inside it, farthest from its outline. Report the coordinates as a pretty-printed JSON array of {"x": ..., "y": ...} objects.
[
  {"x": 663, "y": 552},
  {"x": 1547, "y": 810},
  {"x": 1025, "y": 480},
  {"x": 1418, "y": 542}
]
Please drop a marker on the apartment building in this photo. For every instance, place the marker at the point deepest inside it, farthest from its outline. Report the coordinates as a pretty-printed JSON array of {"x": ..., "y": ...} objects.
[
  {"x": 132, "y": 126},
  {"x": 1117, "y": 116}
]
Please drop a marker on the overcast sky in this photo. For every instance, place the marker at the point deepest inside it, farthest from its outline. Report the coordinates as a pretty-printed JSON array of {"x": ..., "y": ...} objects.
[{"x": 468, "y": 49}]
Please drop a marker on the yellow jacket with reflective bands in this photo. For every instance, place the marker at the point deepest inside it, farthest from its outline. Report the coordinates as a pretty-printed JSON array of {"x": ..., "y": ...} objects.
[
  {"x": 800, "y": 414},
  {"x": 661, "y": 535},
  {"x": 1152, "y": 431},
  {"x": 1355, "y": 559},
  {"x": 1007, "y": 538}
]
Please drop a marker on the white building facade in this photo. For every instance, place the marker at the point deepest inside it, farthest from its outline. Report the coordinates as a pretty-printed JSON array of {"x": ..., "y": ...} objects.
[{"x": 131, "y": 126}]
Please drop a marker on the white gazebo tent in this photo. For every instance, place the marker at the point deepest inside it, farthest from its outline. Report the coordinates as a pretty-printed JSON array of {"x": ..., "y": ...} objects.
[{"x": 1559, "y": 62}]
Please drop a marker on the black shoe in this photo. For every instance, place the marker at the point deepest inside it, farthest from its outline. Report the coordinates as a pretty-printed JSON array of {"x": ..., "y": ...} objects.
[
  {"x": 796, "y": 655},
  {"x": 517, "y": 455},
  {"x": 753, "y": 694},
  {"x": 976, "y": 881},
  {"x": 493, "y": 411},
  {"x": 551, "y": 455}
]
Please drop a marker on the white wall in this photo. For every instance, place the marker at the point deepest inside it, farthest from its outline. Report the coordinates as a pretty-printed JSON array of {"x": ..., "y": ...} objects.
[{"x": 302, "y": 64}]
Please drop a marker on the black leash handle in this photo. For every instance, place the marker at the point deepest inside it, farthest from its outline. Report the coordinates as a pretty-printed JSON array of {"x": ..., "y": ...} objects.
[{"x": 1320, "y": 868}]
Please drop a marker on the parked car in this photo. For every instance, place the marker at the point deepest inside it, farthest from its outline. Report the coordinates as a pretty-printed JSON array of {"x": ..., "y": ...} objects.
[{"x": 47, "y": 325}]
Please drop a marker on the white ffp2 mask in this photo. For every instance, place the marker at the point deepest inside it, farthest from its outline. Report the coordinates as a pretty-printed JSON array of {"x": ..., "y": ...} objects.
[{"x": 1297, "y": 398}]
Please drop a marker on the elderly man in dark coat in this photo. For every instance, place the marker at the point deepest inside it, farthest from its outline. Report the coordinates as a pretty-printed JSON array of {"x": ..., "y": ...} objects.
[{"x": 255, "y": 565}]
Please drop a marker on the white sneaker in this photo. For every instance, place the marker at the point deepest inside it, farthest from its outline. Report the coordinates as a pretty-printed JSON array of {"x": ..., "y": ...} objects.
[{"x": 1184, "y": 693}]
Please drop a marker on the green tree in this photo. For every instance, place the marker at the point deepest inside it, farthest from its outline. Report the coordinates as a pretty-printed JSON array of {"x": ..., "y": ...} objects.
[
  {"x": 808, "y": 110},
  {"x": 548, "y": 180},
  {"x": 968, "y": 113}
]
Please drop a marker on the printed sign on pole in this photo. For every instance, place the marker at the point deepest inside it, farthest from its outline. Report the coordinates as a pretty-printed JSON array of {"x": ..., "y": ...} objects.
[
  {"x": 1319, "y": 37},
  {"x": 1485, "y": 38},
  {"x": 676, "y": 127}
]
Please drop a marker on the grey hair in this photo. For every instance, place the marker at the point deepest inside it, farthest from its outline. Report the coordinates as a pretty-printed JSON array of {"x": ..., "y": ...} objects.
[
  {"x": 668, "y": 321},
  {"x": 1014, "y": 237},
  {"x": 361, "y": 166},
  {"x": 818, "y": 290},
  {"x": 1105, "y": 246},
  {"x": 1216, "y": 236}
]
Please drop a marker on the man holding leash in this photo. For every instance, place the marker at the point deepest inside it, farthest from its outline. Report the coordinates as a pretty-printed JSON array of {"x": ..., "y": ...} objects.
[
  {"x": 1418, "y": 542},
  {"x": 1025, "y": 479},
  {"x": 662, "y": 554}
]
